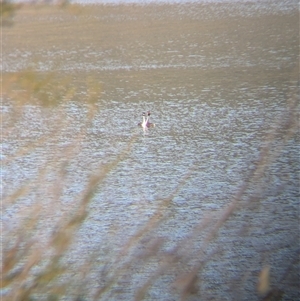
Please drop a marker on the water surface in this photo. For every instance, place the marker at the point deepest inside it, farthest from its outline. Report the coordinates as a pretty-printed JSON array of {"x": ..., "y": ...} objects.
[{"x": 219, "y": 88}]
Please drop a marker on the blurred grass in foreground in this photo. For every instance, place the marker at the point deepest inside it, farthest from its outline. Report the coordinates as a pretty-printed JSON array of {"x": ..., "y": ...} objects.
[
  {"x": 37, "y": 271},
  {"x": 7, "y": 12},
  {"x": 22, "y": 254}
]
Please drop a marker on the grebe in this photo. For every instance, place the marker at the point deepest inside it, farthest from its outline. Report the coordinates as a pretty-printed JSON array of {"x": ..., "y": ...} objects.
[
  {"x": 144, "y": 123},
  {"x": 148, "y": 123}
]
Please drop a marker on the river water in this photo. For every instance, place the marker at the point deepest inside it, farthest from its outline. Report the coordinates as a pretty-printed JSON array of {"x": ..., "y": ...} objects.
[{"x": 222, "y": 99}]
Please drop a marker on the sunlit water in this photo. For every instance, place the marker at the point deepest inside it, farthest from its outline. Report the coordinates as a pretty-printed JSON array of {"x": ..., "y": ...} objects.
[{"x": 207, "y": 138}]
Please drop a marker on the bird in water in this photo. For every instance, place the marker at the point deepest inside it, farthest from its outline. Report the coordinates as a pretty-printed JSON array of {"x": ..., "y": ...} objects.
[{"x": 146, "y": 123}]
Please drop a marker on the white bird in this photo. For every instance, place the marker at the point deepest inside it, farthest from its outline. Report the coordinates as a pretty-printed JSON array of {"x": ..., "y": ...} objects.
[
  {"x": 144, "y": 123},
  {"x": 148, "y": 123}
]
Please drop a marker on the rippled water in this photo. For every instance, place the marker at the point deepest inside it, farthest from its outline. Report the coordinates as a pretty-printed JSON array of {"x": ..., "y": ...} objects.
[{"x": 211, "y": 126}]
